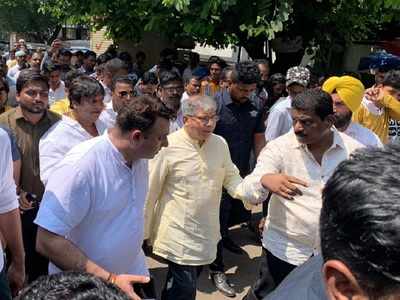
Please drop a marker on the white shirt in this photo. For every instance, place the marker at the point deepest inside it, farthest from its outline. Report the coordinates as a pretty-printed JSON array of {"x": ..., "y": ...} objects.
[
  {"x": 57, "y": 94},
  {"x": 108, "y": 116},
  {"x": 291, "y": 228},
  {"x": 13, "y": 73},
  {"x": 363, "y": 135},
  {"x": 185, "y": 96},
  {"x": 279, "y": 119},
  {"x": 175, "y": 125},
  {"x": 96, "y": 201},
  {"x": 8, "y": 196},
  {"x": 107, "y": 93},
  {"x": 58, "y": 140}
]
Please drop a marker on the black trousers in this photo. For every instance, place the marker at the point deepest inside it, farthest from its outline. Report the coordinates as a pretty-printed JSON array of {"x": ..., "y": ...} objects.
[
  {"x": 35, "y": 264},
  {"x": 181, "y": 282},
  {"x": 231, "y": 212},
  {"x": 271, "y": 273}
]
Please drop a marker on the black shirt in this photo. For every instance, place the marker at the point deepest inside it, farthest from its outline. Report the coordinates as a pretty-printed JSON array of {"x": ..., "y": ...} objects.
[{"x": 237, "y": 125}]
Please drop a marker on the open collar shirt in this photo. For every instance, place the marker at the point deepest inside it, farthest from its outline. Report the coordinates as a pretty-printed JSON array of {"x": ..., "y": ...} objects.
[
  {"x": 182, "y": 209},
  {"x": 58, "y": 140},
  {"x": 27, "y": 136},
  {"x": 95, "y": 200},
  {"x": 291, "y": 228}
]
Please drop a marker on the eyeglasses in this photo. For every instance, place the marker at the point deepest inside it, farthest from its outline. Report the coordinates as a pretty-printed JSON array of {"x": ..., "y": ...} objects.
[
  {"x": 207, "y": 120},
  {"x": 124, "y": 94},
  {"x": 34, "y": 93}
]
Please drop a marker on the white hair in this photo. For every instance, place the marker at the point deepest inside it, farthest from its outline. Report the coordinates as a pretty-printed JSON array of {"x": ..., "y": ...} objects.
[{"x": 192, "y": 105}]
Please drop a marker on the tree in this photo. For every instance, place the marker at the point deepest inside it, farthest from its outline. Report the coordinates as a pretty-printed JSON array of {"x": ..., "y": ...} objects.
[
  {"x": 327, "y": 25},
  {"x": 24, "y": 16}
]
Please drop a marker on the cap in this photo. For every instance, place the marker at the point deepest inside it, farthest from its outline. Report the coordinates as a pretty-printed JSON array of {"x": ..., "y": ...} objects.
[{"x": 299, "y": 75}]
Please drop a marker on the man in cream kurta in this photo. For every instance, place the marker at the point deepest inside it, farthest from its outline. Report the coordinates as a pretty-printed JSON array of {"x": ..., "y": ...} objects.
[{"x": 186, "y": 180}]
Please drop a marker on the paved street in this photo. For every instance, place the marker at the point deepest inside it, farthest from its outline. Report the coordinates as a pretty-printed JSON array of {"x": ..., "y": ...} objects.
[{"x": 241, "y": 269}]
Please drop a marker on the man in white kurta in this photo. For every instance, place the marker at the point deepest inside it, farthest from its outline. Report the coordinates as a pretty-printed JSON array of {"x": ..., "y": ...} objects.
[
  {"x": 182, "y": 210},
  {"x": 91, "y": 215}
]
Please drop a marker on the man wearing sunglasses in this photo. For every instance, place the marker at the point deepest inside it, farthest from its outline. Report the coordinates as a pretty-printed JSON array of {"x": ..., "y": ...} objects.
[
  {"x": 123, "y": 92},
  {"x": 29, "y": 121}
]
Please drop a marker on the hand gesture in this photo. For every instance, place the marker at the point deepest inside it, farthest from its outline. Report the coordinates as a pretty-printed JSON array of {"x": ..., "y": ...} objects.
[
  {"x": 375, "y": 95},
  {"x": 125, "y": 281},
  {"x": 283, "y": 185}
]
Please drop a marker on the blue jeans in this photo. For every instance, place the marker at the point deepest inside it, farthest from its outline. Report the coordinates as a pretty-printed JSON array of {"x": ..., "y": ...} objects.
[{"x": 181, "y": 282}]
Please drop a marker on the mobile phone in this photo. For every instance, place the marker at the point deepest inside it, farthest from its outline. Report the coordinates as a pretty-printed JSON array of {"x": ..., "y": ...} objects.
[{"x": 146, "y": 291}]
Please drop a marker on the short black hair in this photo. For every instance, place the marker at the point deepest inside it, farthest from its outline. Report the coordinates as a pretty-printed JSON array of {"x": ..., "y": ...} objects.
[
  {"x": 52, "y": 68},
  {"x": 262, "y": 62},
  {"x": 28, "y": 76},
  {"x": 70, "y": 76},
  {"x": 314, "y": 100},
  {"x": 71, "y": 286},
  {"x": 82, "y": 87},
  {"x": 216, "y": 60},
  {"x": 277, "y": 78},
  {"x": 169, "y": 76},
  {"x": 4, "y": 82},
  {"x": 189, "y": 78},
  {"x": 102, "y": 59},
  {"x": 125, "y": 56},
  {"x": 360, "y": 218},
  {"x": 149, "y": 78},
  {"x": 65, "y": 52},
  {"x": 122, "y": 79},
  {"x": 142, "y": 113},
  {"x": 89, "y": 53},
  {"x": 245, "y": 72},
  {"x": 392, "y": 79}
]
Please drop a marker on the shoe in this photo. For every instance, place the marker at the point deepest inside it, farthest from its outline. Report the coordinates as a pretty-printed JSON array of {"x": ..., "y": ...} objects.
[
  {"x": 221, "y": 283},
  {"x": 231, "y": 246}
]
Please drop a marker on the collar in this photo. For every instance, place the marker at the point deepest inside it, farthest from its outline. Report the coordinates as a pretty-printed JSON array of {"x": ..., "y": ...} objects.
[
  {"x": 189, "y": 139},
  {"x": 337, "y": 140}
]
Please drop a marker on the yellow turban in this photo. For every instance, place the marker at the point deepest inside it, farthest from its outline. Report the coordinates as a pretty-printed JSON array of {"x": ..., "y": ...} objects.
[{"x": 349, "y": 89}]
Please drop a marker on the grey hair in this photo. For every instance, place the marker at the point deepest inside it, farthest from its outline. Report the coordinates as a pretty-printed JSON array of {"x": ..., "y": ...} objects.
[{"x": 193, "y": 104}]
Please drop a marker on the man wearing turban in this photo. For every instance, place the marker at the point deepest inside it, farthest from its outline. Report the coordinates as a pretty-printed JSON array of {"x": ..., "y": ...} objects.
[{"x": 347, "y": 93}]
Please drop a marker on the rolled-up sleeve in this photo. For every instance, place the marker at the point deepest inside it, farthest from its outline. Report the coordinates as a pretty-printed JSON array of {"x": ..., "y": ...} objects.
[{"x": 269, "y": 162}]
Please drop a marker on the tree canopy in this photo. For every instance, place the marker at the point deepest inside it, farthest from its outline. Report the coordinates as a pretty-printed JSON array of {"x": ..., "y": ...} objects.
[
  {"x": 24, "y": 16},
  {"x": 326, "y": 24}
]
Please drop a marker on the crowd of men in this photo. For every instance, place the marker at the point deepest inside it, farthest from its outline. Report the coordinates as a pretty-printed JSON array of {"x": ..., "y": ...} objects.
[{"x": 103, "y": 161}]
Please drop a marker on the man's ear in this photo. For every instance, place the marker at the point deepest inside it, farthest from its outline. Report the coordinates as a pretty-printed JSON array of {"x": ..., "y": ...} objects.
[
  {"x": 330, "y": 119},
  {"x": 340, "y": 282},
  {"x": 135, "y": 136}
]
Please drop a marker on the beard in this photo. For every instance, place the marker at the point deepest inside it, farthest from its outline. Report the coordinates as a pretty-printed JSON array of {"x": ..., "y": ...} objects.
[
  {"x": 342, "y": 120},
  {"x": 33, "y": 108}
]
